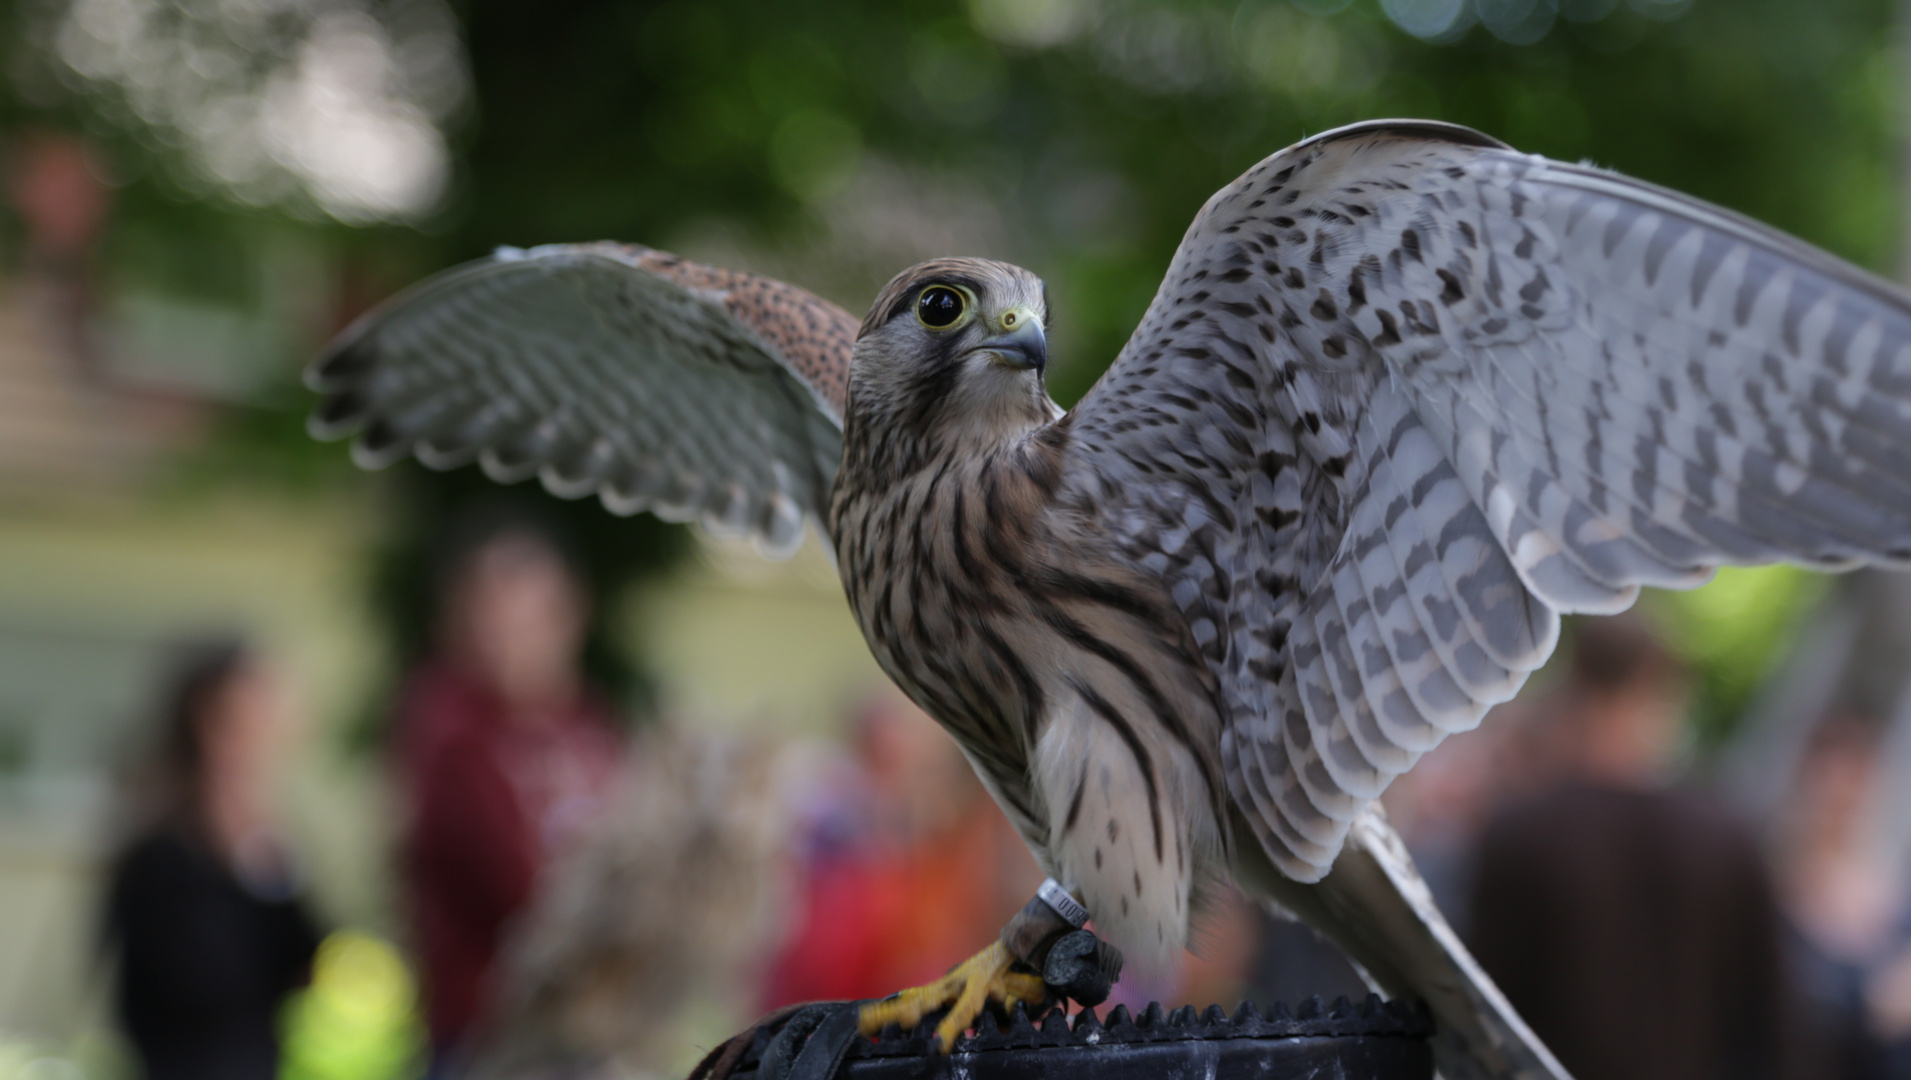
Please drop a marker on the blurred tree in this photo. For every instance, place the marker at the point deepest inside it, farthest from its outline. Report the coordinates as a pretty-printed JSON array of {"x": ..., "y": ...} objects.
[
  {"x": 1095, "y": 127},
  {"x": 1098, "y": 129},
  {"x": 834, "y": 141}
]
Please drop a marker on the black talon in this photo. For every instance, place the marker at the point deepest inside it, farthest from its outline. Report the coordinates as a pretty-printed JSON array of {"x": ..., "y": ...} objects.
[{"x": 1082, "y": 968}]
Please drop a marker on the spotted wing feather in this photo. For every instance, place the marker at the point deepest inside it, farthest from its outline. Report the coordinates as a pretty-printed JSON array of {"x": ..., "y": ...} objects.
[
  {"x": 654, "y": 382},
  {"x": 1406, "y": 394}
]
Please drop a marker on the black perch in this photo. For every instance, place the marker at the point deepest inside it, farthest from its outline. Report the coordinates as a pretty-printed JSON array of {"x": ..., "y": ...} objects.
[{"x": 1370, "y": 1040}]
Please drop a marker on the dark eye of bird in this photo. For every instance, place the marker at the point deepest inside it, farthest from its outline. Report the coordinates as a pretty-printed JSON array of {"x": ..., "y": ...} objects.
[{"x": 939, "y": 306}]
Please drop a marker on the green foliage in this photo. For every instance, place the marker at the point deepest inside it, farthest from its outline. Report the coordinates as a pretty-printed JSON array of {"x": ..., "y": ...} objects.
[
  {"x": 1098, "y": 131},
  {"x": 1731, "y": 633}
]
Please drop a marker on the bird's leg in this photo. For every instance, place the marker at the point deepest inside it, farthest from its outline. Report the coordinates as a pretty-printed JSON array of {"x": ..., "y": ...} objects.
[
  {"x": 975, "y": 982},
  {"x": 987, "y": 976}
]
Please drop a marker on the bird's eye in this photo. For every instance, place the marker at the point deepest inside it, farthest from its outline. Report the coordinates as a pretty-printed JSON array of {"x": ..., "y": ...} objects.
[{"x": 939, "y": 306}]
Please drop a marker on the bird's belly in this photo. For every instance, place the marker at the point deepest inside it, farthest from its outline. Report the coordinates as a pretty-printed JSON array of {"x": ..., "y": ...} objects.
[
  {"x": 1132, "y": 830},
  {"x": 1110, "y": 803},
  {"x": 948, "y": 666},
  {"x": 1070, "y": 689}
]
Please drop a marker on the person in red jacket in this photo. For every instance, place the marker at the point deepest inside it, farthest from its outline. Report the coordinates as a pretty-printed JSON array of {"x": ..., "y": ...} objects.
[{"x": 505, "y": 756}]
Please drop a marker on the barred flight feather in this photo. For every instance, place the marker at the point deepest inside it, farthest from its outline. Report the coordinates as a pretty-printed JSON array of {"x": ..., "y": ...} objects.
[
  {"x": 1503, "y": 388},
  {"x": 657, "y": 384}
]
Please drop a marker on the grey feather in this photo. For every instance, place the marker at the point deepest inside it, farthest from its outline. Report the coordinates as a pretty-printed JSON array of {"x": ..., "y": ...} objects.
[
  {"x": 1445, "y": 391},
  {"x": 601, "y": 369},
  {"x": 1465, "y": 389}
]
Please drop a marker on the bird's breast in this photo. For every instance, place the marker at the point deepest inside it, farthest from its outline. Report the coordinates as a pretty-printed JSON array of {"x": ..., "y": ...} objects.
[
  {"x": 938, "y": 566},
  {"x": 995, "y": 608}
]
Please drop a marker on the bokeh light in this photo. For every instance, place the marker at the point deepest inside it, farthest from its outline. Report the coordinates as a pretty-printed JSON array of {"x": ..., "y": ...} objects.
[
  {"x": 358, "y": 1020},
  {"x": 325, "y": 103}
]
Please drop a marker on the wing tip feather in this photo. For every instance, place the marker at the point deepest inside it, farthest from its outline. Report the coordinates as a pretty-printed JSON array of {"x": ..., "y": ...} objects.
[
  {"x": 373, "y": 457},
  {"x": 343, "y": 365}
]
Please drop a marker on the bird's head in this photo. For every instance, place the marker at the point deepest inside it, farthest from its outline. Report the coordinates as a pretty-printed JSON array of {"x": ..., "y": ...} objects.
[{"x": 953, "y": 349}]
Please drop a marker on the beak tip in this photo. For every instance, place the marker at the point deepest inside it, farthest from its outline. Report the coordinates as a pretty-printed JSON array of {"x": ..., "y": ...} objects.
[{"x": 1027, "y": 344}]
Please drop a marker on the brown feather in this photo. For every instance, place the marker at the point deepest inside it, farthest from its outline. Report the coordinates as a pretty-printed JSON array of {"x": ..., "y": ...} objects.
[{"x": 813, "y": 335}]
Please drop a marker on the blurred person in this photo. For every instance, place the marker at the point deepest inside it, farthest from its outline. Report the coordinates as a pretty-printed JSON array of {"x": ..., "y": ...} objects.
[
  {"x": 1832, "y": 883},
  {"x": 1634, "y": 927},
  {"x": 506, "y": 758},
  {"x": 1847, "y": 913},
  {"x": 889, "y": 847},
  {"x": 202, "y": 907},
  {"x": 1882, "y": 1041},
  {"x": 54, "y": 182}
]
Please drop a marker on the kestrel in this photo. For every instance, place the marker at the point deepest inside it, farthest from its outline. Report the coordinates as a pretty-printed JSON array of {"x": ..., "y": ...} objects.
[{"x": 1404, "y": 396}]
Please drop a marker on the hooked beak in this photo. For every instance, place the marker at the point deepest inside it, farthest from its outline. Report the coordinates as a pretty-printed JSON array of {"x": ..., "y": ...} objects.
[{"x": 1024, "y": 348}]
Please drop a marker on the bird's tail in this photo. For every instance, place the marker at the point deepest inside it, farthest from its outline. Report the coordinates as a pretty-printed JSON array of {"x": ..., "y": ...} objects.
[{"x": 1378, "y": 909}]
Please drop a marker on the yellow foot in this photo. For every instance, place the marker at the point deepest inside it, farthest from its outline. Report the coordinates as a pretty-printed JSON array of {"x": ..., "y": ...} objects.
[{"x": 975, "y": 982}]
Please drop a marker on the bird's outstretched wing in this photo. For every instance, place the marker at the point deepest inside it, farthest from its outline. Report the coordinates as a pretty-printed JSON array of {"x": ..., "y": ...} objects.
[
  {"x": 655, "y": 382},
  {"x": 1406, "y": 394}
]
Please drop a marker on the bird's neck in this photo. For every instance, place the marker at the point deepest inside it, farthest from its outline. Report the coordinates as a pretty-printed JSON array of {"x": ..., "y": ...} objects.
[
  {"x": 883, "y": 447},
  {"x": 988, "y": 426}
]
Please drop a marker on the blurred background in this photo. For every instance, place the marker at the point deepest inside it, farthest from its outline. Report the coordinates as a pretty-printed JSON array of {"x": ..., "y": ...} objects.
[{"x": 315, "y": 773}]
